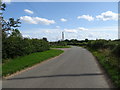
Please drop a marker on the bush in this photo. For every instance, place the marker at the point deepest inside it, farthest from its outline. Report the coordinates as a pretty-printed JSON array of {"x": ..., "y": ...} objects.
[
  {"x": 15, "y": 45},
  {"x": 110, "y": 45},
  {"x": 59, "y": 43},
  {"x": 98, "y": 44},
  {"x": 116, "y": 50}
]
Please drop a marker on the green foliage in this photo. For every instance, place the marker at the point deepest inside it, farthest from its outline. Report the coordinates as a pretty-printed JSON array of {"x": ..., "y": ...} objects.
[
  {"x": 86, "y": 40},
  {"x": 76, "y": 42},
  {"x": 110, "y": 64},
  {"x": 2, "y": 6},
  {"x": 110, "y": 45},
  {"x": 39, "y": 45},
  {"x": 108, "y": 54},
  {"x": 97, "y": 44},
  {"x": 14, "y": 45},
  {"x": 9, "y": 44},
  {"x": 45, "y": 39},
  {"x": 60, "y": 47},
  {"x": 116, "y": 50},
  {"x": 58, "y": 43},
  {"x": 114, "y": 46},
  {"x": 11, "y": 24},
  {"x": 22, "y": 62}
]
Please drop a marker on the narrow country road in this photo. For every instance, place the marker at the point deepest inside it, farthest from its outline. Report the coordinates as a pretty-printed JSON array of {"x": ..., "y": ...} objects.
[{"x": 75, "y": 68}]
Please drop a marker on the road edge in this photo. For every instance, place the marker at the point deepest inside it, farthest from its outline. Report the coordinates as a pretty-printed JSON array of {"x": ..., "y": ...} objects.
[
  {"x": 107, "y": 77},
  {"x": 29, "y": 68}
]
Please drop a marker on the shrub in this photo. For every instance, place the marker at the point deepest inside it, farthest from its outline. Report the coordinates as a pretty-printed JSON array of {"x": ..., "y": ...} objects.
[
  {"x": 14, "y": 45},
  {"x": 110, "y": 45},
  {"x": 98, "y": 44},
  {"x": 59, "y": 43},
  {"x": 116, "y": 50}
]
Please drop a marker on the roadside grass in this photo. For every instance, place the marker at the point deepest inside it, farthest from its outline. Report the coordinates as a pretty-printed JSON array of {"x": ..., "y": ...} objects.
[
  {"x": 60, "y": 46},
  {"x": 110, "y": 63},
  {"x": 23, "y": 62}
]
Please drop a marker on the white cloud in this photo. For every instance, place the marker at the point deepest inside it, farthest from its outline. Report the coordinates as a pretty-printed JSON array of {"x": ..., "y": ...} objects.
[
  {"x": 48, "y": 31},
  {"x": 28, "y": 11},
  {"x": 105, "y": 29},
  {"x": 57, "y": 26},
  {"x": 75, "y": 30},
  {"x": 36, "y": 20},
  {"x": 7, "y": 1},
  {"x": 108, "y": 32},
  {"x": 50, "y": 34},
  {"x": 82, "y": 28},
  {"x": 63, "y": 19},
  {"x": 87, "y": 17},
  {"x": 26, "y": 36},
  {"x": 70, "y": 30},
  {"x": 109, "y": 15},
  {"x": 28, "y": 19}
]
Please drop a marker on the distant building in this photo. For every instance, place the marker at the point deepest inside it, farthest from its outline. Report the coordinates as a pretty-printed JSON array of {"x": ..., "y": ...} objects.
[{"x": 62, "y": 36}]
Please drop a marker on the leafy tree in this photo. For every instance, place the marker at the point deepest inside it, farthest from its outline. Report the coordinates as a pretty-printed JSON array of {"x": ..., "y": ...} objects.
[
  {"x": 2, "y": 7},
  {"x": 13, "y": 44},
  {"x": 45, "y": 39},
  {"x": 16, "y": 33},
  {"x": 10, "y": 24},
  {"x": 86, "y": 40}
]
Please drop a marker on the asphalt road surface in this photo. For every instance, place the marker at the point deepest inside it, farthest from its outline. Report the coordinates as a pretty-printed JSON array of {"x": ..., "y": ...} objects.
[{"x": 75, "y": 68}]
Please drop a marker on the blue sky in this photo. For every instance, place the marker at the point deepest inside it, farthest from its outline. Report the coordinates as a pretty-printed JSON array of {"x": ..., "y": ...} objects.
[{"x": 78, "y": 20}]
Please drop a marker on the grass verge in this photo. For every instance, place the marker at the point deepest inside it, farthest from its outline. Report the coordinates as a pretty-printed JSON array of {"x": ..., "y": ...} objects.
[
  {"x": 110, "y": 64},
  {"x": 60, "y": 47},
  {"x": 23, "y": 62}
]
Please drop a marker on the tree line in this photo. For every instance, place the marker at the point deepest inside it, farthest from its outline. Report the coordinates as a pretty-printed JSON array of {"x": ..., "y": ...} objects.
[{"x": 13, "y": 43}]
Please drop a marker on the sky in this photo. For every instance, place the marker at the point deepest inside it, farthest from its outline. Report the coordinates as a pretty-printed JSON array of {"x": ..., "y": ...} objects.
[{"x": 78, "y": 20}]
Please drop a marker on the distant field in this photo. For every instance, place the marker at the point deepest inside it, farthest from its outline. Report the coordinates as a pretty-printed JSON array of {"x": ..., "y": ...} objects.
[
  {"x": 22, "y": 62},
  {"x": 60, "y": 47}
]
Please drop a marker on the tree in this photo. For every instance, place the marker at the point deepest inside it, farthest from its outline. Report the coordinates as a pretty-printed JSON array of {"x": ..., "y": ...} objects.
[
  {"x": 45, "y": 39},
  {"x": 13, "y": 44},
  {"x": 9, "y": 40},
  {"x": 16, "y": 33},
  {"x": 2, "y": 7},
  {"x": 86, "y": 40},
  {"x": 10, "y": 24}
]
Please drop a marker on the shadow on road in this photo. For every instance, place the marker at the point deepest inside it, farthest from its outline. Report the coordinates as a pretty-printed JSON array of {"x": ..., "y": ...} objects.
[{"x": 62, "y": 75}]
